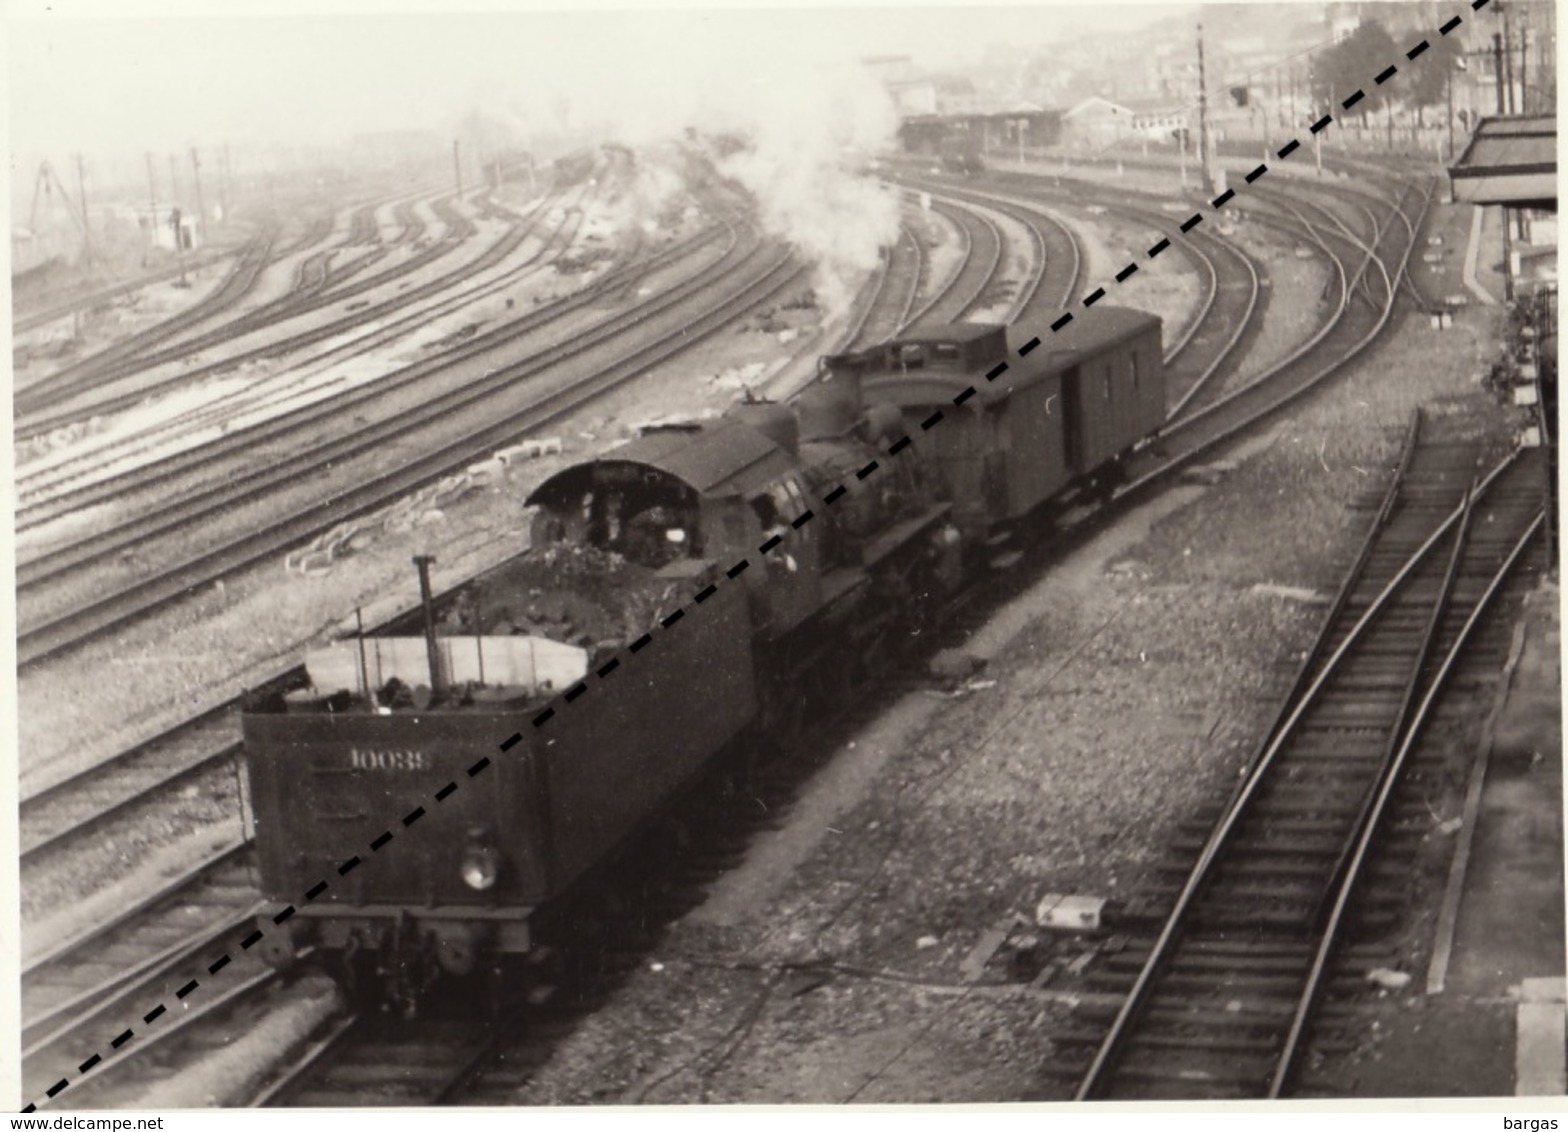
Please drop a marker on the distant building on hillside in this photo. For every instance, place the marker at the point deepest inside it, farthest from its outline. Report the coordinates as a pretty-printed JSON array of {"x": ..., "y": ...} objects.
[{"x": 1097, "y": 122}]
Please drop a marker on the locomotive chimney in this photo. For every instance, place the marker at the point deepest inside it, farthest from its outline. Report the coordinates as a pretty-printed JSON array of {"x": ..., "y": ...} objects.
[
  {"x": 432, "y": 654},
  {"x": 830, "y": 406},
  {"x": 776, "y": 422}
]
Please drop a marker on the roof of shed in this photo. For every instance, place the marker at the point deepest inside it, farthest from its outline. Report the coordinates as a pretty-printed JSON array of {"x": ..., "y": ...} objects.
[{"x": 1509, "y": 161}]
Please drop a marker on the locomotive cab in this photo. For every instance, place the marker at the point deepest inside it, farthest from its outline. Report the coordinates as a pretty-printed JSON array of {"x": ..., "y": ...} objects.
[{"x": 649, "y": 519}]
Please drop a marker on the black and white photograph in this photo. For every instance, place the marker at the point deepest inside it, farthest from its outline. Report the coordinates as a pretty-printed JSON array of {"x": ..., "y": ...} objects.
[{"x": 787, "y": 555}]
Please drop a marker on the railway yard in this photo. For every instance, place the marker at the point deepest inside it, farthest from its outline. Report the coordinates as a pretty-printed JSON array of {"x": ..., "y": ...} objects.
[{"x": 1210, "y": 789}]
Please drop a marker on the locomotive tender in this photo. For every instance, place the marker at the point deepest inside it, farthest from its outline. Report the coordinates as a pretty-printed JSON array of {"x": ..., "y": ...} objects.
[{"x": 618, "y": 543}]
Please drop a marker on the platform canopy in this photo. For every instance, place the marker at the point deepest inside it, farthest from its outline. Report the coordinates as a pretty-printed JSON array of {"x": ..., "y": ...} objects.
[{"x": 1510, "y": 161}]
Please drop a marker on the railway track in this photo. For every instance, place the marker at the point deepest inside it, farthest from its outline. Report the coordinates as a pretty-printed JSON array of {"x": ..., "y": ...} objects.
[
  {"x": 977, "y": 269},
  {"x": 70, "y": 379},
  {"x": 1061, "y": 275},
  {"x": 42, "y": 318},
  {"x": 316, "y": 229},
  {"x": 373, "y": 1062},
  {"x": 57, "y": 487},
  {"x": 1215, "y": 340},
  {"x": 59, "y": 400},
  {"x": 53, "y": 632},
  {"x": 1349, "y": 332},
  {"x": 141, "y": 777},
  {"x": 892, "y": 298},
  {"x": 365, "y": 494},
  {"x": 1250, "y": 947},
  {"x": 138, "y": 781},
  {"x": 1210, "y": 345},
  {"x": 84, "y": 992}
]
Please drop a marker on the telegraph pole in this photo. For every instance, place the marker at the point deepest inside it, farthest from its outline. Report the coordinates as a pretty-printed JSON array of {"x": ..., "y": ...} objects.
[
  {"x": 81, "y": 194},
  {"x": 457, "y": 168},
  {"x": 152, "y": 198},
  {"x": 1524, "y": 62},
  {"x": 1203, "y": 120},
  {"x": 1497, "y": 67},
  {"x": 224, "y": 187},
  {"x": 1508, "y": 57},
  {"x": 174, "y": 216},
  {"x": 1450, "y": 112},
  {"x": 201, "y": 209},
  {"x": 1317, "y": 138}
]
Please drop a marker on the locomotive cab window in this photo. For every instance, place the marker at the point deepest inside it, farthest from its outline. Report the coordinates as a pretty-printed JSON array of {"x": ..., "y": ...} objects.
[
  {"x": 651, "y": 522},
  {"x": 911, "y": 356},
  {"x": 1132, "y": 364}
]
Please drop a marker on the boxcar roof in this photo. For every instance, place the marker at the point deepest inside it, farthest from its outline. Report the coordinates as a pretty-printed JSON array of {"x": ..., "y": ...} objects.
[
  {"x": 717, "y": 457},
  {"x": 1088, "y": 334},
  {"x": 1091, "y": 331}
]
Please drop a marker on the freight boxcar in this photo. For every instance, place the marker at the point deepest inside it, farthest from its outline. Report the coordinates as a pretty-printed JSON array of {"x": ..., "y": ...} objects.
[{"x": 1060, "y": 418}]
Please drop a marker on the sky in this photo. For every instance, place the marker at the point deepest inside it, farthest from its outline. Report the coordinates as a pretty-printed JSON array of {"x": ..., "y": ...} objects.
[{"x": 175, "y": 76}]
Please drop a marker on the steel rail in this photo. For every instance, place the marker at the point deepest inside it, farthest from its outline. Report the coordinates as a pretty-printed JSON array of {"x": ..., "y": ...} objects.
[
  {"x": 284, "y": 424},
  {"x": 1034, "y": 277},
  {"x": 228, "y": 854},
  {"x": 293, "y": 1074},
  {"x": 1190, "y": 244},
  {"x": 72, "y": 378},
  {"x": 1259, "y": 387},
  {"x": 1352, "y": 577},
  {"x": 221, "y": 496},
  {"x": 1407, "y": 704},
  {"x": 56, "y": 411},
  {"x": 1023, "y": 211},
  {"x": 149, "y": 1039},
  {"x": 55, "y": 475},
  {"x": 869, "y": 304},
  {"x": 1289, "y": 1057},
  {"x": 947, "y": 284},
  {"x": 126, "y": 984},
  {"x": 1111, "y": 1046},
  {"x": 91, "y": 373},
  {"x": 92, "y": 619},
  {"x": 35, "y": 842}
]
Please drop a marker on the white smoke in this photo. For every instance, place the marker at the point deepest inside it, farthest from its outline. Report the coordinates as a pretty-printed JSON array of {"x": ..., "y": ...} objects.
[
  {"x": 804, "y": 145},
  {"x": 805, "y": 126}
]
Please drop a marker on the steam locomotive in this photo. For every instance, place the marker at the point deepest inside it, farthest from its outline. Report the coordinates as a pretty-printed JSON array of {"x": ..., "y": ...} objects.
[{"x": 762, "y": 559}]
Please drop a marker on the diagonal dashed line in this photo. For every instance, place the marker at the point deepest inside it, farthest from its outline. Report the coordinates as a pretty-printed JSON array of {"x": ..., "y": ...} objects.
[{"x": 669, "y": 622}]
